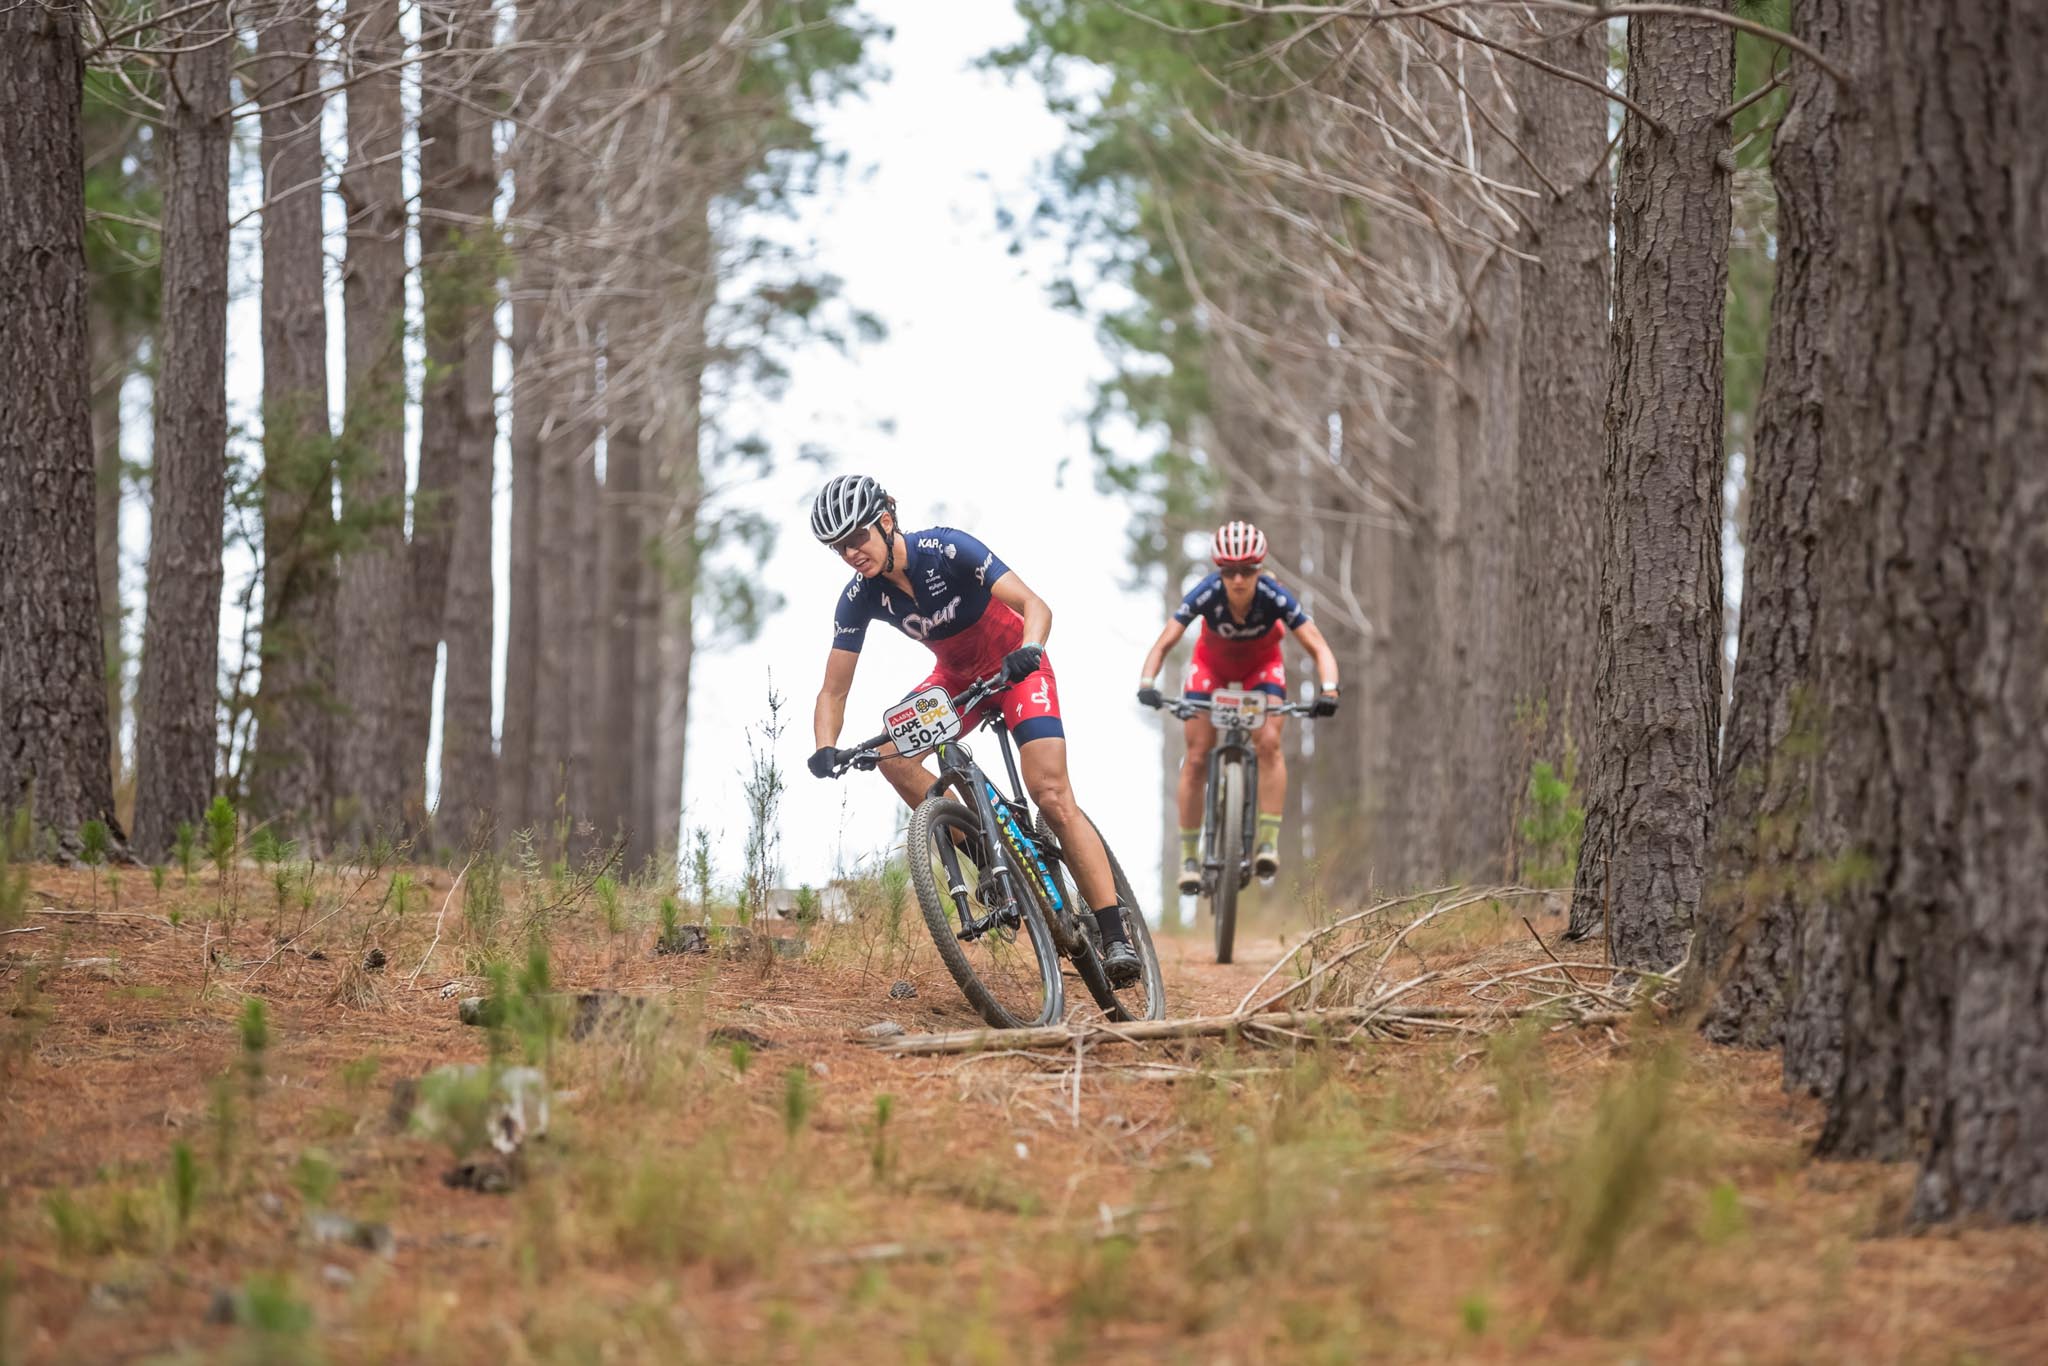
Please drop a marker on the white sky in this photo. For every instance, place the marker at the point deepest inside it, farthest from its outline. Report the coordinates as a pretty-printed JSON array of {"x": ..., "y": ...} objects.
[{"x": 970, "y": 412}]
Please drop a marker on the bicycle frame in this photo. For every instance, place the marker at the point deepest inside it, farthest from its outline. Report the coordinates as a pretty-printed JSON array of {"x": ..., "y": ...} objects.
[
  {"x": 1234, "y": 745},
  {"x": 1237, "y": 749},
  {"x": 1005, "y": 830}
]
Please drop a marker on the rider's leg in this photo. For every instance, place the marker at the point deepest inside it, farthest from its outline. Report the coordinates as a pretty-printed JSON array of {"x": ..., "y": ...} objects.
[
  {"x": 910, "y": 778},
  {"x": 1045, "y": 775},
  {"x": 1194, "y": 781},
  {"x": 1272, "y": 796},
  {"x": 1194, "y": 770},
  {"x": 1272, "y": 767},
  {"x": 1044, "y": 762}
]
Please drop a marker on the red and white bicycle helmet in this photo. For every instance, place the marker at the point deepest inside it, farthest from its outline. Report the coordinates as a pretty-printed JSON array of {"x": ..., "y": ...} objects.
[{"x": 1239, "y": 543}]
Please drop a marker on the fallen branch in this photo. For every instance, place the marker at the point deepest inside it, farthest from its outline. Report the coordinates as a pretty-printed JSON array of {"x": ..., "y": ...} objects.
[
  {"x": 1214, "y": 1026},
  {"x": 437, "y": 922}
]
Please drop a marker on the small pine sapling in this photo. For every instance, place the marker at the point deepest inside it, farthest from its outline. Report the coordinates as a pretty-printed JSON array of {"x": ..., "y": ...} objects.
[
  {"x": 92, "y": 851},
  {"x": 186, "y": 848}
]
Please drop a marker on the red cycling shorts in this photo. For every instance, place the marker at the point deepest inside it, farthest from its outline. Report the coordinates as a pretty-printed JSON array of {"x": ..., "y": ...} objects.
[
  {"x": 1263, "y": 669},
  {"x": 1032, "y": 707}
]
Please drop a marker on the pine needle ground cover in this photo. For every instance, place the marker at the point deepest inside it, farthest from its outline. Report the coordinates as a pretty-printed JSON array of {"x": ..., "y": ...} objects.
[{"x": 213, "y": 1149}]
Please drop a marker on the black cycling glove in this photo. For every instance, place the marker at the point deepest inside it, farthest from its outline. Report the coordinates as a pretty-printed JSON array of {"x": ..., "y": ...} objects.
[
  {"x": 1149, "y": 697},
  {"x": 824, "y": 761},
  {"x": 1022, "y": 662},
  {"x": 1326, "y": 703}
]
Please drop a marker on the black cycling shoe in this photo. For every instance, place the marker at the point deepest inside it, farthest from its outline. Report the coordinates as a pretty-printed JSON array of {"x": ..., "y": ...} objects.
[{"x": 1120, "y": 963}]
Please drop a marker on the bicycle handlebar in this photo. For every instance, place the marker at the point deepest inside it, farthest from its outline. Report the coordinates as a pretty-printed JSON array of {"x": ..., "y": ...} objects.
[
  {"x": 867, "y": 754},
  {"x": 1185, "y": 707}
]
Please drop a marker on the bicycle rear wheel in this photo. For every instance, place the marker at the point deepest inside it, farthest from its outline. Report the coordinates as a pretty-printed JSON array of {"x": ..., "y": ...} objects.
[
  {"x": 1010, "y": 973},
  {"x": 1230, "y": 852}
]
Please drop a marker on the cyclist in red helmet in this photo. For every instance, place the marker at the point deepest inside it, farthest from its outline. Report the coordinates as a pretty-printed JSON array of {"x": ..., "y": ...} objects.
[{"x": 1244, "y": 613}]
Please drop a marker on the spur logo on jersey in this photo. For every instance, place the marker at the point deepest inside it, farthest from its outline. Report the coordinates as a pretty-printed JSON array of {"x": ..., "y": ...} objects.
[
  {"x": 920, "y": 628},
  {"x": 980, "y": 570},
  {"x": 1230, "y": 630}
]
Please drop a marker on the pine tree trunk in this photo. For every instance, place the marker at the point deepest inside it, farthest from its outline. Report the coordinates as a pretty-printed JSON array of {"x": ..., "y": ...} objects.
[
  {"x": 674, "y": 641},
  {"x": 1482, "y": 541},
  {"x": 1658, "y": 696},
  {"x": 1742, "y": 957},
  {"x": 289, "y": 771},
  {"x": 110, "y": 372},
  {"x": 53, "y": 707},
  {"x": 629, "y": 596},
  {"x": 469, "y": 793},
  {"x": 371, "y": 777},
  {"x": 1172, "y": 738},
  {"x": 516, "y": 740},
  {"x": 1939, "y": 781},
  {"x": 1563, "y": 372},
  {"x": 458, "y": 284},
  {"x": 177, "y": 696},
  {"x": 1409, "y": 647}
]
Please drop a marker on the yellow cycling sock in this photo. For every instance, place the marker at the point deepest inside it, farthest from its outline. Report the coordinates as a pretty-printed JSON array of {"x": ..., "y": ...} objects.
[
  {"x": 1190, "y": 845},
  {"x": 1269, "y": 829}
]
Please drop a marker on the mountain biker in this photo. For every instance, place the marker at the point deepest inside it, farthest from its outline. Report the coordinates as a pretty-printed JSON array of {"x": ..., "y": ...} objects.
[
  {"x": 948, "y": 591},
  {"x": 1244, "y": 615}
]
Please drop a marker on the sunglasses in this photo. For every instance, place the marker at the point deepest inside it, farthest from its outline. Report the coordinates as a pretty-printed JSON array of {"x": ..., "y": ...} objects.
[
  {"x": 852, "y": 540},
  {"x": 1238, "y": 571}
]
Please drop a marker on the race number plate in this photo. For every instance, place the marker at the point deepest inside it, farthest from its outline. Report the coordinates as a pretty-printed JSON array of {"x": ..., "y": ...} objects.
[
  {"x": 918, "y": 723},
  {"x": 1243, "y": 709}
]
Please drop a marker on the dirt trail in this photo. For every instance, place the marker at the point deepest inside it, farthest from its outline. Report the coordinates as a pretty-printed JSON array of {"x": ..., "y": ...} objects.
[{"x": 805, "y": 1197}]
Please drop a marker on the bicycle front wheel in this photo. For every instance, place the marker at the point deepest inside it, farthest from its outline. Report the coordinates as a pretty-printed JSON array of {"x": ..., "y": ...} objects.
[
  {"x": 1008, "y": 968},
  {"x": 1230, "y": 851},
  {"x": 1144, "y": 999}
]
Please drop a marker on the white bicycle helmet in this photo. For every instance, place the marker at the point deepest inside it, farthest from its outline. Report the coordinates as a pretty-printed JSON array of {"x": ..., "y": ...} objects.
[
  {"x": 1238, "y": 543},
  {"x": 847, "y": 503}
]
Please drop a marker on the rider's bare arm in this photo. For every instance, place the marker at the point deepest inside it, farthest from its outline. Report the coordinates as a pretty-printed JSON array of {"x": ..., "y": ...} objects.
[
  {"x": 830, "y": 714},
  {"x": 1155, "y": 658},
  {"x": 1319, "y": 649},
  {"x": 1011, "y": 591}
]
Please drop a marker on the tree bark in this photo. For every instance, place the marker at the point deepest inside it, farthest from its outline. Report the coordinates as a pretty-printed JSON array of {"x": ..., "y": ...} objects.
[
  {"x": 1742, "y": 958},
  {"x": 371, "y": 779},
  {"x": 1938, "y": 781},
  {"x": 113, "y": 364},
  {"x": 459, "y": 277},
  {"x": 515, "y": 747},
  {"x": 1658, "y": 696},
  {"x": 1563, "y": 392},
  {"x": 289, "y": 771},
  {"x": 177, "y": 697},
  {"x": 1412, "y": 624},
  {"x": 53, "y": 702},
  {"x": 1474, "y": 824}
]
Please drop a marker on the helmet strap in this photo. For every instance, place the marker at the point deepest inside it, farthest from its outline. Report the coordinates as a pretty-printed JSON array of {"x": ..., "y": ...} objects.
[{"x": 889, "y": 545}]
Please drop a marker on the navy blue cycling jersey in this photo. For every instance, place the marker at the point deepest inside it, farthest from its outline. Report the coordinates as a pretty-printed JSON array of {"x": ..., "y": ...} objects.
[
  {"x": 1272, "y": 610},
  {"x": 951, "y": 609}
]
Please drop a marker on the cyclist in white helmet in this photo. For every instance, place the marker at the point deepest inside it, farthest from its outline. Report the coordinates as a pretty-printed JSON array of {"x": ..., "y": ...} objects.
[
  {"x": 1245, "y": 613},
  {"x": 949, "y": 592}
]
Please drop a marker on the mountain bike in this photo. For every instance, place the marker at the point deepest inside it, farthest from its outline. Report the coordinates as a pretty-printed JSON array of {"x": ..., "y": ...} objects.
[
  {"x": 992, "y": 880},
  {"x": 1230, "y": 814}
]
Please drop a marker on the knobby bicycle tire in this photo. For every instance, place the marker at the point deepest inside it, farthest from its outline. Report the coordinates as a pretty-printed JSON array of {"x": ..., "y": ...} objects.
[
  {"x": 1116, "y": 1005},
  {"x": 1230, "y": 853},
  {"x": 935, "y": 817}
]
